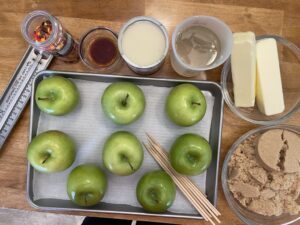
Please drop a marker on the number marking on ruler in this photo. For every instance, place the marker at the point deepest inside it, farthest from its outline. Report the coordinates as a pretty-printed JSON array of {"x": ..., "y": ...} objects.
[{"x": 18, "y": 91}]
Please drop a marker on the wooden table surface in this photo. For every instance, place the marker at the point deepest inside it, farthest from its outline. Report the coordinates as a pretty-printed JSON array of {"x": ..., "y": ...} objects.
[{"x": 261, "y": 16}]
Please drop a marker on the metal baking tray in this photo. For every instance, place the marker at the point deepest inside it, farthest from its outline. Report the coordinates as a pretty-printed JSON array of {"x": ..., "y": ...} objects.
[{"x": 215, "y": 142}]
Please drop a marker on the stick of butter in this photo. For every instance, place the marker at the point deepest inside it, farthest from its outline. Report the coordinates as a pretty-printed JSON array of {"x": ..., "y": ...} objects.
[
  {"x": 269, "y": 95},
  {"x": 243, "y": 67}
]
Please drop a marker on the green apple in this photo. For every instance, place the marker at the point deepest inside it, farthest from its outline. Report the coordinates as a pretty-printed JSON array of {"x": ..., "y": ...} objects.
[
  {"x": 185, "y": 105},
  {"x": 56, "y": 95},
  {"x": 190, "y": 154},
  {"x": 86, "y": 185},
  {"x": 123, "y": 102},
  {"x": 51, "y": 151},
  {"x": 122, "y": 153},
  {"x": 156, "y": 191}
]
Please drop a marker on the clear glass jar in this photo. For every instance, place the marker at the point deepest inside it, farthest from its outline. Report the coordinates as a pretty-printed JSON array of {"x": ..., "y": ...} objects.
[{"x": 45, "y": 32}]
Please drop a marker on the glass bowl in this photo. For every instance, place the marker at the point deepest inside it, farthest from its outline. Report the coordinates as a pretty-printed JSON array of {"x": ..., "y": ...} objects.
[
  {"x": 289, "y": 59},
  {"x": 247, "y": 216},
  {"x": 86, "y": 45}
]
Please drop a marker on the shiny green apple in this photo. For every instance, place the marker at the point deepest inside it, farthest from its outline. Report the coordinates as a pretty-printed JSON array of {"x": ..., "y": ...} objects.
[
  {"x": 122, "y": 153},
  {"x": 156, "y": 191},
  {"x": 56, "y": 95},
  {"x": 190, "y": 154},
  {"x": 86, "y": 185},
  {"x": 185, "y": 105},
  {"x": 51, "y": 151},
  {"x": 123, "y": 102}
]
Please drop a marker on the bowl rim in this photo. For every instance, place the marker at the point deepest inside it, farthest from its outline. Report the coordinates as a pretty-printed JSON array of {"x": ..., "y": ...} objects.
[
  {"x": 228, "y": 99},
  {"x": 227, "y": 193}
]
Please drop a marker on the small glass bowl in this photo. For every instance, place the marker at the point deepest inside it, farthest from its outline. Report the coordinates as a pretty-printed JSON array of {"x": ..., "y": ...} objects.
[
  {"x": 86, "y": 42},
  {"x": 247, "y": 216},
  {"x": 289, "y": 59}
]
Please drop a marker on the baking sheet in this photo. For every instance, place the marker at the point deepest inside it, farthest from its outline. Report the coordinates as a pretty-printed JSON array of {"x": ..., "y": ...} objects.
[{"x": 89, "y": 127}]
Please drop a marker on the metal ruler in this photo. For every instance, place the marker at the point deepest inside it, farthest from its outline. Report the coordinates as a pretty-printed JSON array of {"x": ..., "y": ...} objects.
[{"x": 18, "y": 91}]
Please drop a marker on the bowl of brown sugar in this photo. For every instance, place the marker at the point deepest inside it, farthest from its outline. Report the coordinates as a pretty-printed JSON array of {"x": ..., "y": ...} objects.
[{"x": 261, "y": 175}]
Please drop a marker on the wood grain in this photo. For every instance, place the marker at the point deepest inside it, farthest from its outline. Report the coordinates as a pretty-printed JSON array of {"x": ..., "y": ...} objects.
[{"x": 262, "y": 16}]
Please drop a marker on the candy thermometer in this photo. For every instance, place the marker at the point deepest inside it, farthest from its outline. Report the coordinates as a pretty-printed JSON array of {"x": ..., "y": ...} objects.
[{"x": 18, "y": 91}]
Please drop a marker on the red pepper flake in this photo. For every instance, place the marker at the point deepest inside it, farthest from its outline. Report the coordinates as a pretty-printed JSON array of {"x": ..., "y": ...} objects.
[{"x": 43, "y": 31}]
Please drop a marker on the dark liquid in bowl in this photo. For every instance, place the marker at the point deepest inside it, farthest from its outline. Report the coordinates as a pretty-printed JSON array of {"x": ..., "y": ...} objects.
[{"x": 103, "y": 51}]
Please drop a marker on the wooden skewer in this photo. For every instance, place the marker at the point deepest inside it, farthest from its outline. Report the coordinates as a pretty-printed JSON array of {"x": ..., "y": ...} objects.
[
  {"x": 199, "y": 194},
  {"x": 198, "y": 205},
  {"x": 188, "y": 188},
  {"x": 194, "y": 187},
  {"x": 199, "y": 208}
]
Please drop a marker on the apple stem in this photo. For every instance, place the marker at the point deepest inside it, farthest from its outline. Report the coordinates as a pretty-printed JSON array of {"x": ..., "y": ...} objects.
[
  {"x": 43, "y": 98},
  {"x": 85, "y": 199},
  {"x": 46, "y": 158},
  {"x": 124, "y": 157},
  {"x": 196, "y": 103},
  {"x": 130, "y": 165},
  {"x": 124, "y": 102},
  {"x": 154, "y": 196}
]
